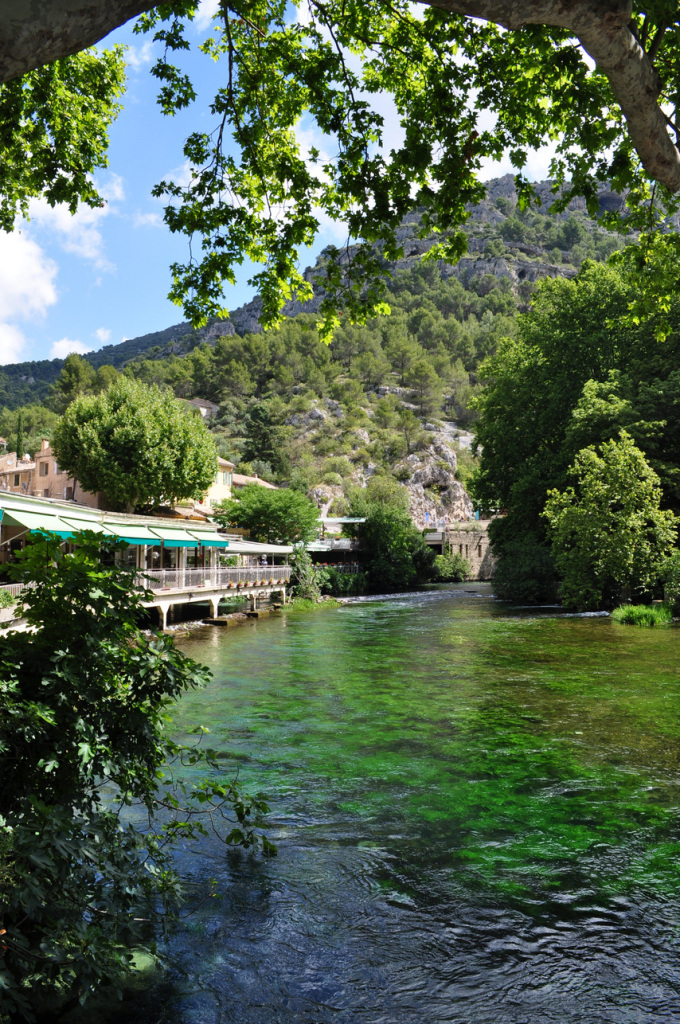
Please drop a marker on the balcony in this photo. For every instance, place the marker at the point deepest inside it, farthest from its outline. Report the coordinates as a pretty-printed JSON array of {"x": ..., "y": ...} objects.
[{"x": 229, "y": 578}]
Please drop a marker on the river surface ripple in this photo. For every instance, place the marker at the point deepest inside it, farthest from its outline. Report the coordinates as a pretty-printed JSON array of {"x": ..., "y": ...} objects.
[{"x": 476, "y": 812}]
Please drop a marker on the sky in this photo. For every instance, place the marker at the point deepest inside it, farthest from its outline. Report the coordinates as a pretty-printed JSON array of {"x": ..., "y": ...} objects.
[{"x": 76, "y": 283}]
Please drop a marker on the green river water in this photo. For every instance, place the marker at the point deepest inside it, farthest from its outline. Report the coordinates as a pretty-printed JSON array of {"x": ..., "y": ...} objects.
[{"x": 477, "y": 816}]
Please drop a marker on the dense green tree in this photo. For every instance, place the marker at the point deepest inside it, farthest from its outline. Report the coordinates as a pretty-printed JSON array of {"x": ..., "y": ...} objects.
[
  {"x": 84, "y": 702},
  {"x": 579, "y": 370},
  {"x": 282, "y": 516},
  {"x": 136, "y": 444},
  {"x": 77, "y": 377},
  {"x": 395, "y": 554},
  {"x": 607, "y": 529},
  {"x": 265, "y": 437},
  {"x": 422, "y": 377},
  {"x": 38, "y": 422}
]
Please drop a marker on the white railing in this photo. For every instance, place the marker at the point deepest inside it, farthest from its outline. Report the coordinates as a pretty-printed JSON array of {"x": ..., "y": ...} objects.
[
  {"x": 230, "y": 578},
  {"x": 13, "y": 589}
]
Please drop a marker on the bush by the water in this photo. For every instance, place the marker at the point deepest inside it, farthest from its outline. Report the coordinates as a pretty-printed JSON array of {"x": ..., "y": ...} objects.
[
  {"x": 6, "y": 599},
  {"x": 643, "y": 614},
  {"x": 452, "y": 567},
  {"x": 670, "y": 575},
  {"x": 340, "y": 584}
]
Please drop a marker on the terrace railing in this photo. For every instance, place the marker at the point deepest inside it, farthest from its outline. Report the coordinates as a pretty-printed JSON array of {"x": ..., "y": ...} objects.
[{"x": 228, "y": 578}]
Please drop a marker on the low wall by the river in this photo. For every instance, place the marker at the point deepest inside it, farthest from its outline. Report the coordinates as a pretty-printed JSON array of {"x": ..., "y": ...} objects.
[{"x": 471, "y": 540}]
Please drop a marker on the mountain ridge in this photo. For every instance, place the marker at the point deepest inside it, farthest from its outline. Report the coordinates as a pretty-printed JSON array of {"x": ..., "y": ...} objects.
[{"x": 519, "y": 263}]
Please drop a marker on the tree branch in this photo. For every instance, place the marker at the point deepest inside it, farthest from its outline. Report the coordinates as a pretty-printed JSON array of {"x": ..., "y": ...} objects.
[{"x": 603, "y": 29}]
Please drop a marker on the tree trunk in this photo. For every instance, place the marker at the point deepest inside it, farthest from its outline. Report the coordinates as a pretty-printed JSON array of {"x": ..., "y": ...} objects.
[{"x": 36, "y": 33}]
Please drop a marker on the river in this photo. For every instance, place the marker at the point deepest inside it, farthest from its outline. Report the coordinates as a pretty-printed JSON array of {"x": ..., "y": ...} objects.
[{"x": 476, "y": 814}]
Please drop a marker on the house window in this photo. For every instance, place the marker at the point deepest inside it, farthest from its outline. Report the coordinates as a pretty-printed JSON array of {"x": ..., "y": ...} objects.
[
  {"x": 225, "y": 478},
  {"x": 56, "y": 467},
  {"x": 229, "y": 479},
  {"x": 16, "y": 479},
  {"x": 44, "y": 469},
  {"x": 69, "y": 494}
]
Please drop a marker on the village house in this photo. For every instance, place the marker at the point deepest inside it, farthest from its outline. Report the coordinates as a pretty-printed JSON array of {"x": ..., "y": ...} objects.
[
  {"x": 219, "y": 490},
  {"x": 208, "y": 410},
  {"x": 239, "y": 481},
  {"x": 41, "y": 477}
]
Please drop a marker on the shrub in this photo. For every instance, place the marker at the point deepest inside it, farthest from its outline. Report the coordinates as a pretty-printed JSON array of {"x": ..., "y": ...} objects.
[
  {"x": 402, "y": 474},
  {"x": 452, "y": 568},
  {"x": 643, "y": 614},
  {"x": 6, "y": 599},
  {"x": 306, "y": 580},
  {"x": 340, "y": 584},
  {"x": 333, "y": 479},
  {"x": 670, "y": 574},
  {"x": 84, "y": 697}
]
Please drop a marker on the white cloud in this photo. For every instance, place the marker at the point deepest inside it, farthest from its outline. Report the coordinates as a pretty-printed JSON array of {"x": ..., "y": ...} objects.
[
  {"x": 207, "y": 9},
  {"x": 27, "y": 289},
  {"x": 80, "y": 233},
  {"x": 147, "y": 220},
  {"x": 102, "y": 334},
  {"x": 26, "y": 278},
  {"x": 63, "y": 348},
  {"x": 12, "y": 342},
  {"x": 139, "y": 57}
]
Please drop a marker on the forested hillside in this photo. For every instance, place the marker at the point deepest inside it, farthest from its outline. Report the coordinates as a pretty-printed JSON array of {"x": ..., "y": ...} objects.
[
  {"x": 517, "y": 247},
  {"x": 395, "y": 396}
]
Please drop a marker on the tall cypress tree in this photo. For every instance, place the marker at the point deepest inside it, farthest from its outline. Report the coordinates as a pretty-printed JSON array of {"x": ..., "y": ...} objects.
[{"x": 20, "y": 434}]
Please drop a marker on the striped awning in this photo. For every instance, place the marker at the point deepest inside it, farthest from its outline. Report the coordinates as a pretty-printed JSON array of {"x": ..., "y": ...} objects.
[
  {"x": 174, "y": 538},
  {"x": 38, "y": 522},
  {"x": 211, "y": 540},
  {"x": 133, "y": 533}
]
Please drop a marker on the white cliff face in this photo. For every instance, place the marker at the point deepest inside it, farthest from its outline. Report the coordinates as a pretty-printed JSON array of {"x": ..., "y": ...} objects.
[{"x": 435, "y": 495}]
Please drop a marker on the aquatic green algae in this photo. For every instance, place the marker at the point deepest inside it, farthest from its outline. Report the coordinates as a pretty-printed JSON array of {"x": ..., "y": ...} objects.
[{"x": 513, "y": 754}]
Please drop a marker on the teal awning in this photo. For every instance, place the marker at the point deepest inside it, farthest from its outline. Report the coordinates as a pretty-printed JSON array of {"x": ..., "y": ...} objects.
[
  {"x": 174, "y": 538},
  {"x": 39, "y": 522},
  {"x": 87, "y": 524},
  {"x": 211, "y": 540},
  {"x": 133, "y": 533}
]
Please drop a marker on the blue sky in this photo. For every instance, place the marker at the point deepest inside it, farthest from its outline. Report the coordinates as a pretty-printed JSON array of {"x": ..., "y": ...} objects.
[{"x": 76, "y": 283}]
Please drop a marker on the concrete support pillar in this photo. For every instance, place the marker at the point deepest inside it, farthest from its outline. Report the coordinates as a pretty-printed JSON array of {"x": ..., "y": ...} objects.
[
  {"x": 214, "y": 606},
  {"x": 163, "y": 610}
]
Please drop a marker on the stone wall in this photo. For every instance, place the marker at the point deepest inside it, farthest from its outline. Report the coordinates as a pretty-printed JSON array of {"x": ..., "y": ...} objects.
[{"x": 471, "y": 540}]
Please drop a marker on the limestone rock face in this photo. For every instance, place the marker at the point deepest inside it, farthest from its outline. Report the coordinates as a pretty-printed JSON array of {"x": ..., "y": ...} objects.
[{"x": 435, "y": 495}]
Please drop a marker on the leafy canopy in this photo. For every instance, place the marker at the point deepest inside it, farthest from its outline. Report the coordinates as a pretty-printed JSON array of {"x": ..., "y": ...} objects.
[
  {"x": 608, "y": 531},
  {"x": 54, "y": 131},
  {"x": 257, "y": 193},
  {"x": 275, "y": 516},
  {"x": 577, "y": 373},
  {"x": 137, "y": 444}
]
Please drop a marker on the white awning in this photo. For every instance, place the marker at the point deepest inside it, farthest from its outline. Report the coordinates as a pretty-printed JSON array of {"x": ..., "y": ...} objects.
[
  {"x": 87, "y": 524},
  {"x": 211, "y": 540}
]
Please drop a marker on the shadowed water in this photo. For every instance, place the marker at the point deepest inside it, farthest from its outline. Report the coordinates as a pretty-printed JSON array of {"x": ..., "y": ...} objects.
[{"x": 476, "y": 813}]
